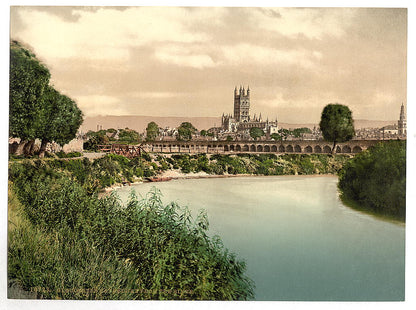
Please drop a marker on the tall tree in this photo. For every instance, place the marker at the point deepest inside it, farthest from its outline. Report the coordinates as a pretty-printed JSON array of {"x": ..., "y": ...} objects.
[
  {"x": 152, "y": 131},
  {"x": 185, "y": 131},
  {"x": 337, "y": 124},
  {"x": 60, "y": 119},
  {"x": 28, "y": 80}
]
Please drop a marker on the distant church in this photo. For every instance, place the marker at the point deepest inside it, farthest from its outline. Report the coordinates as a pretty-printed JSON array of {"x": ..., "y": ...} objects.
[
  {"x": 402, "y": 126},
  {"x": 241, "y": 120}
]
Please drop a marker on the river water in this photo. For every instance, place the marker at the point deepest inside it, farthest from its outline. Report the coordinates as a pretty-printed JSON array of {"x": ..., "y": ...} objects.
[{"x": 297, "y": 238}]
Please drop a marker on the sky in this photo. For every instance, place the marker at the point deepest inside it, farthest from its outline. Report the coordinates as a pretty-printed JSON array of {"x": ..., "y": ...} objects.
[{"x": 186, "y": 61}]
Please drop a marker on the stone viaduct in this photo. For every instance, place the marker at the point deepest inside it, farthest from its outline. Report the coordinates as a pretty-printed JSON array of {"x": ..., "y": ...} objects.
[{"x": 293, "y": 146}]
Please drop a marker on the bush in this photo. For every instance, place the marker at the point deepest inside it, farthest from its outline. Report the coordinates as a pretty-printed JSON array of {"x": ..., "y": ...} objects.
[
  {"x": 375, "y": 180},
  {"x": 62, "y": 154}
]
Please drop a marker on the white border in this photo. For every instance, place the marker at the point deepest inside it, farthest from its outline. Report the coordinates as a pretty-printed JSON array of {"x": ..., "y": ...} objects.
[{"x": 410, "y": 225}]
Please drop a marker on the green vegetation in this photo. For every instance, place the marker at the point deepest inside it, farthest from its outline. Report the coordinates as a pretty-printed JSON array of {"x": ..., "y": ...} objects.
[
  {"x": 121, "y": 136},
  {"x": 68, "y": 243},
  {"x": 258, "y": 164},
  {"x": 256, "y": 132},
  {"x": 128, "y": 136},
  {"x": 185, "y": 131},
  {"x": 62, "y": 154},
  {"x": 283, "y": 134},
  {"x": 37, "y": 110},
  {"x": 152, "y": 131},
  {"x": 375, "y": 180},
  {"x": 337, "y": 124},
  {"x": 60, "y": 121},
  {"x": 297, "y": 132},
  {"x": 28, "y": 80}
]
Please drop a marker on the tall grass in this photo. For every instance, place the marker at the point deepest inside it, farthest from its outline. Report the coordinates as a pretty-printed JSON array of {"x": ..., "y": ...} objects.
[{"x": 75, "y": 245}]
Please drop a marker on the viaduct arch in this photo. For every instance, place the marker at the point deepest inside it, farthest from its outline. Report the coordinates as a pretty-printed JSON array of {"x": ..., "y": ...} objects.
[{"x": 229, "y": 147}]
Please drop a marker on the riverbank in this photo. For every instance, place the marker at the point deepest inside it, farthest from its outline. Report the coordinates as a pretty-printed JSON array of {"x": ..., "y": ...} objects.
[
  {"x": 178, "y": 175},
  {"x": 91, "y": 248},
  {"x": 380, "y": 216}
]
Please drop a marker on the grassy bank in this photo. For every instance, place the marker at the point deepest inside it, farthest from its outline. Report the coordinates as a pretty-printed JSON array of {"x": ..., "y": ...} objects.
[{"x": 67, "y": 243}]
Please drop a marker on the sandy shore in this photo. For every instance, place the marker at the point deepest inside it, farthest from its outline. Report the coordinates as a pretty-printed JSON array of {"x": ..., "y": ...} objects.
[{"x": 177, "y": 174}]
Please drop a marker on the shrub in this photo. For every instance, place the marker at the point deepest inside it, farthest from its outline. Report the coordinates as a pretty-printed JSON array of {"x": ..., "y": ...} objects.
[
  {"x": 375, "y": 179},
  {"x": 62, "y": 154}
]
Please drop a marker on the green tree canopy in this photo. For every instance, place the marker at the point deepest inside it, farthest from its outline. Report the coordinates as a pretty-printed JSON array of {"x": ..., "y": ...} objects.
[
  {"x": 152, "y": 131},
  {"x": 256, "y": 132},
  {"x": 28, "y": 80},
  {"x": 337, "y": 124},
  {"x": 297, "y": 132},
  {"x": 128, "y": 135},
  {"x": 60, "y": 119},
  {"x": 185, "y": 131}
]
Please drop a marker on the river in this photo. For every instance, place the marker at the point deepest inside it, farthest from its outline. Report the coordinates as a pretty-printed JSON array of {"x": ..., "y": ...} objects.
[{"x": 299, "y": 241}]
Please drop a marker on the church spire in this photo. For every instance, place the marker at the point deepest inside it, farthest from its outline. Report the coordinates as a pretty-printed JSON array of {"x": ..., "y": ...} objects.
[{"x": 402, "y": 116}]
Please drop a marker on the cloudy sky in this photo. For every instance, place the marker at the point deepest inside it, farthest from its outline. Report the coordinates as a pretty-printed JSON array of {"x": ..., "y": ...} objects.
[{"x": 186, "y": 61}]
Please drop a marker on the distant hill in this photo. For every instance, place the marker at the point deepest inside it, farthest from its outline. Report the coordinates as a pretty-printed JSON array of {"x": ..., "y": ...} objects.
[
  {"x": 139, "y": 123},
  {"x": 358, "y": 123}
]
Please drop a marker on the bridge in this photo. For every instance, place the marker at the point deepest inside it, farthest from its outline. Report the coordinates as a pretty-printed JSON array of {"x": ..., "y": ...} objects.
[
  {"x": 229, "y": 147},
  {"x": 126, "y": 150}
]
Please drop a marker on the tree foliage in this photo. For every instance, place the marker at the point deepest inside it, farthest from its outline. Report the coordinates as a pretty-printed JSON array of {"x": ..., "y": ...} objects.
[
  {"x": 28, "y": 80},
  {"x": 60, "y": 119},
  {"x": 129, "y": 136},
  {"x": 375, "y": 179},
  {"x": 152, "y": 131},
  {"x": 185, "y": 131},
  {"x": 37, "y": 110},
  {"x": 256, "y": 132},
  {"x": 337, "y": 124},
  {"x": 297, "y": 132}
]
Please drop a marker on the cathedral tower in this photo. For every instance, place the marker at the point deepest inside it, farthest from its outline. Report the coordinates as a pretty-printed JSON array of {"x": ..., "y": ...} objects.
[{"x": 242, "y": 105}]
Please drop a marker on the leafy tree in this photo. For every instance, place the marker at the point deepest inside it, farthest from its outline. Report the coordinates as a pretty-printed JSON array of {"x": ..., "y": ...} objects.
[
  {"x": 152, "y": 131},
  {"x": 60, "y": 119},
  {"x": 128, "y": 135},
  {"x": 28, "y": 80},
  {"x": 36, "y": 109},
  {"x": 229, "y": 138},
  {"x": 95, "y": 139},
  {"x": 337, "y": 124},
  {"x": 203, "y": 132},
  {"x": 281, "y": 135},
  {"x": 256, "y": 132},
  {"x": 185, "y": 131},
  {"x": 297, "y": 132},
  {"x": 276, "y": 137}
]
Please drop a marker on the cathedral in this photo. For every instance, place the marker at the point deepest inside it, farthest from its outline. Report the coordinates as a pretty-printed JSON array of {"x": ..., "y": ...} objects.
[{"x": 241, "y": 120}]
